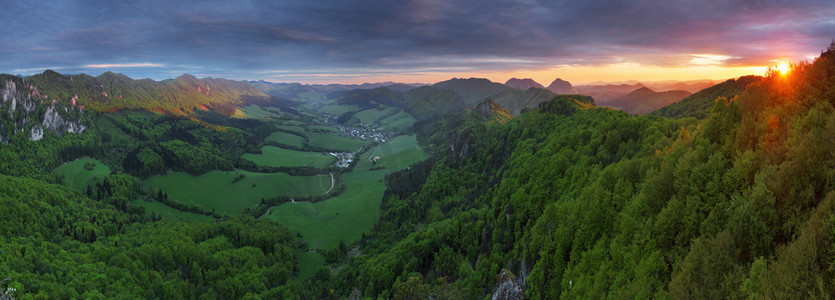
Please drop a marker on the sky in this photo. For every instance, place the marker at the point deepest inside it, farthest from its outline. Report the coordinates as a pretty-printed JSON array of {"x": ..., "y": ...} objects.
[{"x": 349, "y": 41}]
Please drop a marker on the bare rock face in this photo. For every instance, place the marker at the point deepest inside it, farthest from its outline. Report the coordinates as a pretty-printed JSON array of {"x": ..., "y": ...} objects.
[
  {"x": 36, "y": 132},
  {"x": 507, "y": 287},
  {"x": 22, "y": 108}
]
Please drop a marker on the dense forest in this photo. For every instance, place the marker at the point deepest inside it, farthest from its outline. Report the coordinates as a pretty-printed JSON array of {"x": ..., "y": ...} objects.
[
  {"x": 565, "y": 200},
  {"x": 594, "y": 203}
]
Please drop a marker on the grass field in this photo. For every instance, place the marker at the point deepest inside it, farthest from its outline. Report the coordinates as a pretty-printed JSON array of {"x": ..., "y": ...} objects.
[
  {"x": 293, "y": 127},
  {"x": 329, "y": 141},
  {"x": 277, "y": 157},
  {"x": 369, "y": 116},
  {"x": 399, "y": 121},
  {"x": 352, "y": 213},
  {"x": 77, "y": 177},
  {"x": 320, "y": 128},
  {"x": 215, "y": 190},
  {"x": 345, "y": 217},
  {"x": 160, "y": 209},
  {"x": 256, "y": 112},
  {"x": 398, "y": 153},
  {"x": 286, "y": 139}
]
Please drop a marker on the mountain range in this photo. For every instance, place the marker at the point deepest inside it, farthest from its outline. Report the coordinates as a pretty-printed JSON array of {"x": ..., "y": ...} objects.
[{"x": 644, "y": 100}]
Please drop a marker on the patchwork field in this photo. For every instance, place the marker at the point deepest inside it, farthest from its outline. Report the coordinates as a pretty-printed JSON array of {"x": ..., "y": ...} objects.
[
  {"x": 352, "y": 213},
  {"x": 345, "y": 217},
  {"x": 335, "y": 142},
  {"x": 78, "y": 177},
  {"x": 399, "y": 121},
  {"x": 216, "y": 189},
  {"x": 276, "y": 157},
  {"x": 369, "y": 116},
  {"x": 286, "y": 139},
  {"x": 256, "y": 112},
  {"x": 398, "y": 153}
]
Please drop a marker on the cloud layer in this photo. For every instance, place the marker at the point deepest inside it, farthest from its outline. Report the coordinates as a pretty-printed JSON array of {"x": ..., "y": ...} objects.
[{"x": 302, "y": 39}]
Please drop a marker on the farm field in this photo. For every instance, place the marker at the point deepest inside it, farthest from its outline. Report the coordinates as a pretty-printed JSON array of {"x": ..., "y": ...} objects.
[
  {"x": 398, "y": 153},
  {"x": 78, "y": 177},
  {"x": 277, "y": 157},
  {"x": 399, "y": 121},
  {"x": 286, "y": 139},
  {"x": 345, "y": 217},
  {"x": 256, "y": 112},
  {"x": 215, "y": 190},
  {"x": 369, "y": 116},
  {"x": 339, "y": 143}
]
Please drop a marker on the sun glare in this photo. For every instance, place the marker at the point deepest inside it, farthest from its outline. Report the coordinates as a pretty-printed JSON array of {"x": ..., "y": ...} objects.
[{"x": 783, "y": 68}]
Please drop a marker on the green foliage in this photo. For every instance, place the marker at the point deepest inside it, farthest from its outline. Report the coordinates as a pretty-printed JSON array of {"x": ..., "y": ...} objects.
[
  {"x": 111, "y": 92},
  {"x": 594, "y": 203},
  {"x": 56, "y": 243},
  {"x": 698, "y": 105}
]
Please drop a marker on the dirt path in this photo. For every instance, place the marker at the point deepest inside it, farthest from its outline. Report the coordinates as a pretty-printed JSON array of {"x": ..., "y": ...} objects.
[{"x": 333, "y": 183}]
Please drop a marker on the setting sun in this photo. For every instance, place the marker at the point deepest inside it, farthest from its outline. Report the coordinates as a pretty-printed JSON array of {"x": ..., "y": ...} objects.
[{"x": 783, "y": 68}]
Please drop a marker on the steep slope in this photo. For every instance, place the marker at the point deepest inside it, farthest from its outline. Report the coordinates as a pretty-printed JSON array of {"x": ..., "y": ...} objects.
[
  {"x": 492, "y": 112},
  {"x": 597, "y": 203},
  {"x": 475, "y": 90},
  {"x": 561, "y": 87},
  {"x": 24, "y": 109},
  {"x": 644, "y": 100},
  {"x": 109, "y": 92},
  {"x": 523, "y": 84},
  {"x": 699, "y": 104}
]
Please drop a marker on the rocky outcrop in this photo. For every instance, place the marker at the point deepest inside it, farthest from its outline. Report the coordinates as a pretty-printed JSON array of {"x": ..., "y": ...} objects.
[
  {"x": 22, "y": 105},
  {"x": 507, "y": 287}
]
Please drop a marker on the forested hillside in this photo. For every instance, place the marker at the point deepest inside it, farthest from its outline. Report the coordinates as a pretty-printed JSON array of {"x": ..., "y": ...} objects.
[
  {"x": 111, "y": 92},
  {"x": 699, "y": 104},
  {"x": 594, "y": 203},
  {"x": 565, "y": 200}
]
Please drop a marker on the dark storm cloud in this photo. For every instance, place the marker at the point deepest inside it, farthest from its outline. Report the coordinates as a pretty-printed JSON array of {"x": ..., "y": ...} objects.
[{"x": 248, "y": 39}]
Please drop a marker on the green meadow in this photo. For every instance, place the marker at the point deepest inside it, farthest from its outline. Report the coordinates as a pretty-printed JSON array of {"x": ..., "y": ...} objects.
[
  {"x": 329, "y": 141},
  {"x": 256, "y": 112},
  {"x": 277, "y": 157},
  {"x": 78, "y": 177},
  {"x": 216, "y": 190},
  {"x": 398, "y": 153},
  {"x": 345, "y": 217},
  {"x": 398, "y": 121},
  {"x": 369, "y": 116},
  {"x": 286, "y": 139},
  {"x": 352, "y": 213}
]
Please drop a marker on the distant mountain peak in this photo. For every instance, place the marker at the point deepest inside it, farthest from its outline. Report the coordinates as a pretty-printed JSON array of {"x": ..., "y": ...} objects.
[
  {"x": 642, "y": 91},
  {"x": 559, "y": 86},
  {"x": 523, "y": 84}
]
